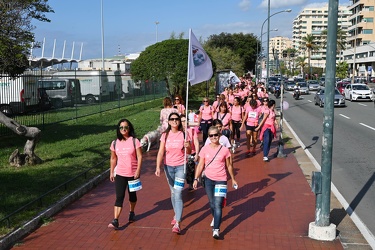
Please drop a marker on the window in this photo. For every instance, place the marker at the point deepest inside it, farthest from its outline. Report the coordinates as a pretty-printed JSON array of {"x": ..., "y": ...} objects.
[
  {"x": 367, "y": 31},
  {"x": 52, "y": 85}
]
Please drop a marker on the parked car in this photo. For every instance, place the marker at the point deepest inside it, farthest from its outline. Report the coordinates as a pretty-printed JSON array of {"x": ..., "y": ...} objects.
[
  {"x": 304, "y": 90},
  {"x": 358, "y": 91},
  {"x": 313, "y": 85},
  {"x": 319, "y": 98},
  {"x": 341, "y": 86}
]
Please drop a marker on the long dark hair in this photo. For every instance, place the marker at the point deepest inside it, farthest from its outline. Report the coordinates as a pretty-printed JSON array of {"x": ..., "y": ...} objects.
[
  {"x": 180, "y": 128},
  {"x": 131, "y": 129}
]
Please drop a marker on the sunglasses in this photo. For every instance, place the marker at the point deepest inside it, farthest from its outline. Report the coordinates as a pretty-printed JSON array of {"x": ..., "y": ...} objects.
[
  {"x": 174, "y": 119},
  {"x": 265, "y": 100},
  {"x": 124, "y": 128},
  {"x": 213, "y": 135},
  {"x": 176, "y": 99},
  {"x": 205, "y": 101}
]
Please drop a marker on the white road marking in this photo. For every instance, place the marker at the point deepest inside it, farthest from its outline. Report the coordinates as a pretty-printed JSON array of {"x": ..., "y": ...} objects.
[
  {"x": 362, "y": 104},
  {"x": 367, "y": 126},
  {"x": 309, "y": 100},
  {"x": 347, "y": 117}
]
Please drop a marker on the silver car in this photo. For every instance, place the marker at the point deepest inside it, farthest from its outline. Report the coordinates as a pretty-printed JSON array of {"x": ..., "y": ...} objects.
[
  {"x": 304, "y": 90},
  {"x": 319, "y": 98},
  {"x": 313, "y": 85}
]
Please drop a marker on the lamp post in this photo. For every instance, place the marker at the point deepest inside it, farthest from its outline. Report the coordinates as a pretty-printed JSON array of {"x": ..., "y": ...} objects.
[
  {"x": 355, "y": 48},
  {"x": 157, "y": 22},
  {"x": 258, "y": 56},
  {"x": 268, "y": 31}
]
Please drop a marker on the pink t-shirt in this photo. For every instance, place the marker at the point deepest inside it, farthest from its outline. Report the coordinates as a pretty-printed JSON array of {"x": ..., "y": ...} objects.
[
  {"x": 126, "y": 156},
  {"x": 206, "y": 112},
  {"x": 164, "y": 113},
  {"x": 252, "y": 116},
  {"x": 231, "y": 99},
  {"x": 192, "y": 134},
  {"x": 180, "y": 108},
  {"x": 271, "y": 116},
  {"x": 237, "y": 113},
  {"x": 174, "y": 148},
  {"x": 225, "y": 118},
  {"x": 216, "y": 169}
]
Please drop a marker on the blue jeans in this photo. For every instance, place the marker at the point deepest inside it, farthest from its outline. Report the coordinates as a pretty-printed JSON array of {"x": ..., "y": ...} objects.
[
  {"x": 176, "y": 194},
  {"x": 215, "y": 201},
  {"x": 267, "y": 140}
]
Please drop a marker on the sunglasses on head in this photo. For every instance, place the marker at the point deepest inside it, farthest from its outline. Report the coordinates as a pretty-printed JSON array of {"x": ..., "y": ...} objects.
[
  {"x": 213, "y": 135},
  {"x": 124, "y": 127},
  {"x": 174, "y": 119}
]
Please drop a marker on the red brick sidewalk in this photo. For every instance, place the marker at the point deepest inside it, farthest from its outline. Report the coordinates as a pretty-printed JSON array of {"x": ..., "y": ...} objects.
[{"x": 271, "y": 209}]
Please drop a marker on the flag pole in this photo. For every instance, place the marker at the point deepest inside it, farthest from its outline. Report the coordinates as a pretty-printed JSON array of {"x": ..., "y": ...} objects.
[{"x": 187, "y": 97}]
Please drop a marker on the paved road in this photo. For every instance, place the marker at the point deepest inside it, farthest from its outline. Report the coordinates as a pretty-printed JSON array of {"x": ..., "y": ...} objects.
[{"x": 353, "y": 168}]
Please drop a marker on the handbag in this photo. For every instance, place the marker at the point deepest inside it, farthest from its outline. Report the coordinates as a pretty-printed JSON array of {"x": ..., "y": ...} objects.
[{"x": 203, "y": 176}]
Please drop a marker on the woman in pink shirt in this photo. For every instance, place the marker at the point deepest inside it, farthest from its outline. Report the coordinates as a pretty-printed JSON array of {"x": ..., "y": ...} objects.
[
  {"x": 225, "y": 117},
  {"x": 164, "y": 113},
  {"x": 252, "y": 114},
  {"x": 179, "y": 104},
  {"x": 205, "y": 117},
  {"x": 268, "y": 128},
  {"x": 173, "y": 144},
  {"x": 126, "y": 156},
  {"x": 214, "y": 160},
  {"x": 230, "y": 97},
  {"x": 237, "y": 116}
]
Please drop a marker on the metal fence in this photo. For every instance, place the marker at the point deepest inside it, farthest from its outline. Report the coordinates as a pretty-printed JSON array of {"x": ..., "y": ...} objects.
[{"x": 39, "y": 98}]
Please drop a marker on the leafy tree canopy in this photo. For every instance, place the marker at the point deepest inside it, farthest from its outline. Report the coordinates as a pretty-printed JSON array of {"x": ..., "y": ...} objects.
[
  {"x": 164, "y": 61},
  {"x": 243, "y": 45},
  {"x": 16, "y": 33}
]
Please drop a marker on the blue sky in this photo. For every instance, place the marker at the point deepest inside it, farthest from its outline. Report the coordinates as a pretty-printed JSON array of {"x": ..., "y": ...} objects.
[{"x": 129, "y": 26}]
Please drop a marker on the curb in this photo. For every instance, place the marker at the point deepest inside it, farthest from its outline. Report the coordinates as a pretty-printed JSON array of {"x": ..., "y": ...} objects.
[{"x": 348, "y": 232}]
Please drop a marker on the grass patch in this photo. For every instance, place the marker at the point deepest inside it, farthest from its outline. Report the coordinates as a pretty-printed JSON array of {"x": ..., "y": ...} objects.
[{"x": 68, "y": 149}]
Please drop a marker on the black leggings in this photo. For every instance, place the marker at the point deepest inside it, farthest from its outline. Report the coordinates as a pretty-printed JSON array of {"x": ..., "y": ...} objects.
[
  {"x": 236, "y": 129},
  {"x": 205, "y": 125},
  {"x": 121, "y": 184}
]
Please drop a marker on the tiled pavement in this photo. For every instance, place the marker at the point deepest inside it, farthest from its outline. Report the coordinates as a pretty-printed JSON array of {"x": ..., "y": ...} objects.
[{"x": 271, "y": 209}]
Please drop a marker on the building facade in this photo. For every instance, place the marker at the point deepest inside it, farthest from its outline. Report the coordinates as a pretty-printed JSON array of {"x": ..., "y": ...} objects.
[{"x": 314, "y": 20}]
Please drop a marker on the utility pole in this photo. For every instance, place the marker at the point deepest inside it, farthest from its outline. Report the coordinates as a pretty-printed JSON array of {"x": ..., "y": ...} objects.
[{"x": 321, "y": 228}]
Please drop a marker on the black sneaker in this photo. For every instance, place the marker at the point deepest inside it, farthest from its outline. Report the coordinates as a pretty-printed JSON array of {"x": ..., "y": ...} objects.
[
  {"x": 131, "y": 217},
  {"x": 113, "y": 224}
]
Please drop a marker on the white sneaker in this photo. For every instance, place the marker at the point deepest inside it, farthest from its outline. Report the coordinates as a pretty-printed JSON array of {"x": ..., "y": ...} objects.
[
  {"x": 215, "y": 233},
  {"x": 212, "y": 222},
  {"x": 265, "y": 158}
]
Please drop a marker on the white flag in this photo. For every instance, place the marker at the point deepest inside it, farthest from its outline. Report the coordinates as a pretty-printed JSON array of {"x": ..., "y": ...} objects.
[
  {"x": 199, "y": 65},
  {"x": 233, "y": 78}
]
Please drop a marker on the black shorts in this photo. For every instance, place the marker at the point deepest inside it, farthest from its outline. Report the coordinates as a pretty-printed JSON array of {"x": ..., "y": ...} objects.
[{"x": 251, "y": 128}]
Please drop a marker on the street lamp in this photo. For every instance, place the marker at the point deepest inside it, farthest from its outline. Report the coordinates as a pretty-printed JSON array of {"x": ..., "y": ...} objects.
[
  {"x": 258, "y": 56},
  {"x": 268, "y": 35},
  {"x": 156, "y": 31}
]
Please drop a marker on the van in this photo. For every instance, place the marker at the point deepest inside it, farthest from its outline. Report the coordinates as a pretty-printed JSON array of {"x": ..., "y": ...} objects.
[
  {"x": 21, "y": 95},
  {"x": 62, "y": 92},
  {"x": 94, "y": 84}
]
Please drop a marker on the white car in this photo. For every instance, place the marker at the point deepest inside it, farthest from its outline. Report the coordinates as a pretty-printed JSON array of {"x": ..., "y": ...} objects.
[{"x": 358, "y": 91}]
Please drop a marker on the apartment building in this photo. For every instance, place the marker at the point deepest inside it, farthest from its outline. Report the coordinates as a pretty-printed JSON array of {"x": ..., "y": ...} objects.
[
  {"x": 360, "y": 52},
  {"x": 314, "y": 20}
]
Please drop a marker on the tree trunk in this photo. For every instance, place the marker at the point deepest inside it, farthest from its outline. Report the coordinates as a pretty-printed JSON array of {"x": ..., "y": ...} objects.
[{"x": 32, "y": 134}]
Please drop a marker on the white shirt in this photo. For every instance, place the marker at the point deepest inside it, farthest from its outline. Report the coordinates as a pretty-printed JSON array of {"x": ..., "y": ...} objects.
[{"x": 223, "y": 140}]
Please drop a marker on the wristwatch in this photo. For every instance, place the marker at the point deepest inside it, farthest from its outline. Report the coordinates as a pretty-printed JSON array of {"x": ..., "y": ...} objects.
[{"x": 195, "y": 179}]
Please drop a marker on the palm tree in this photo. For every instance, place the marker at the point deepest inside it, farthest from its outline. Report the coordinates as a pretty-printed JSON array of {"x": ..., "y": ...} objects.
[
  {"x": 301, "y": 62},
  {"x": 341, "y": 39},
  {"x": 310, "y": 43}
]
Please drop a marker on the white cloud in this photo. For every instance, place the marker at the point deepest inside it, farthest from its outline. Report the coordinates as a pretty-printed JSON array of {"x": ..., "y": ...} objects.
[
  {"x": 244, "y": 5},
  {"x": 282, "y": 3}
]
